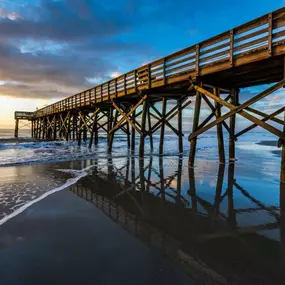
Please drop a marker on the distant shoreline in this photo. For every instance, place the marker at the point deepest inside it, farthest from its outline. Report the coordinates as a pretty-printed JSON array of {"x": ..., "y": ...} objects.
[
  {"x": 268, "y": 143},
  {"x": 18, "y": 140}
]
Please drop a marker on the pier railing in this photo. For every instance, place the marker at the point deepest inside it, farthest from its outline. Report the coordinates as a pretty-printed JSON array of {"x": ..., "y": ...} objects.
[
  {"x": 256, "y": 40},
  {"x": 22, "y": 115}
]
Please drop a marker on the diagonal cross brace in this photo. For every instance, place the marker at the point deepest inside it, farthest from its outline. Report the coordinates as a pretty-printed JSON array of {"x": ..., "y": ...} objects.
[
  {"x": 89, "y": 119},
  {"x": 125, "y": 117},
  {"x": 168, "y": 116},
  {"x": 50, "y": 122},
  {"x": 266, "y": 118},
  {"x": 239, "y": 109},
  {"x": 213, "y": 114},
  {"x": 63, "y": 122},
  {"x": 84, "y": 123}
]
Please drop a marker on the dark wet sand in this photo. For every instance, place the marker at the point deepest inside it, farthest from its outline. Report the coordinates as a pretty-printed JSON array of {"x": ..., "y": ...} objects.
[{"x": 65, "y": 240}]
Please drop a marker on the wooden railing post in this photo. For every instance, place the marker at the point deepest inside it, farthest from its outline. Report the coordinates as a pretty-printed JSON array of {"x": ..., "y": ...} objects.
[
  {"x": 149, "y": 75},
  {"x": 108, "y": 88},
  {"x": 136, "y": 83},
  {"x": 164, "y": 71},
  {"x": 116, "y": 87},
  {"x": 125, "y": 84},
  {"x": 232, "y": 47},
  {"x": 197, "y": 59},
  {"x": 270, "y": 34},
  {"x": 195, "y": 125}
]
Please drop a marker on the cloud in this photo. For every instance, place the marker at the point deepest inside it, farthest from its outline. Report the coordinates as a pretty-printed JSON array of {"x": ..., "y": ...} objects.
[
  {"x": 9, "y": 15},
  {"x": 56, "y": 47}
]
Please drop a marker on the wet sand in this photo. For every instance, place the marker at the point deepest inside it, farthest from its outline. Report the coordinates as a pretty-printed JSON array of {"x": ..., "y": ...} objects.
[{"x": 65, "y": 240}]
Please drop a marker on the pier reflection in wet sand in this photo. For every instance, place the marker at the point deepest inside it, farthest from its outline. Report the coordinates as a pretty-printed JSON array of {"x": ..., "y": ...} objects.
[{"x": 210, "y": 225}]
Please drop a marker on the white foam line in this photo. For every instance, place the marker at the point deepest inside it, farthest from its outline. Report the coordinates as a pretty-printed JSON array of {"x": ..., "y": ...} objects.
[{"x": 68, "y": 183}]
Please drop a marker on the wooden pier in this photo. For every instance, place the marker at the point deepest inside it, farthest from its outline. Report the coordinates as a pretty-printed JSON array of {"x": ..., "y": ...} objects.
[{"x": 212, "y": 71}]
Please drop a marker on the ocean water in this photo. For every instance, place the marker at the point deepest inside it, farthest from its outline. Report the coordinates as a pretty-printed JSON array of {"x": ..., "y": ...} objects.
[{"x": 9, "y": 133}]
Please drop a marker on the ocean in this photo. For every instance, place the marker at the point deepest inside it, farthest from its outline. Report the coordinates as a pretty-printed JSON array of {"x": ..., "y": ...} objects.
[{"x": 238, "y": 202}]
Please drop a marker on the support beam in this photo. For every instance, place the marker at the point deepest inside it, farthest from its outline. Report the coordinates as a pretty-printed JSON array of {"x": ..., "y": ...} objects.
[
  {"x": 180, "y": 133},
  {"x": 16, "y": 134},
  {"x": 142, "y": 133},
  {"x": 282, "y": 172},
  {"x": 149, "y": 127},
  {"x": 220, "y": 135},
  {"x": 266, "y": 118},
  {"x": 162, "y": 130},
  {"x": 234, "y": 101},
  {"x": 239, "y": 109},
  {"x": 85, "y": 127},
  {"x": 133, "y": 142},
  {"x": 127, "y": 131},
  {"x": 193, "y": 141},
  {"x": 96, "y": 130},
  {"x": 111, "y": 134}
]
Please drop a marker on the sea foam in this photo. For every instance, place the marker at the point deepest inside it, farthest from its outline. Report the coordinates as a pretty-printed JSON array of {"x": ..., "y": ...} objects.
[{"x": 71, "y": 181}]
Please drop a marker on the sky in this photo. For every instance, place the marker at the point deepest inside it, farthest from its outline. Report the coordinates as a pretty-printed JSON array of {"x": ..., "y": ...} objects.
[{"x": 51, "y": 49}]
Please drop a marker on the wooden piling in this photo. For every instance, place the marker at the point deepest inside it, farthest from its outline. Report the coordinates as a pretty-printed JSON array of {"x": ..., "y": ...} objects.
[
  {"x": 55, "y": 127},
  {"x": 142, "y": 136},
  {"x": 193, "y": 142},
  {"x": 68, "y": 123},
  {"x": 109, "y": 123},
  {"x": 234, "y": 101},
  {"x": 133, "y": 135},
  {"x": 16, "y": 128},
  {"x": 162, "y": 128},
  {"x": 282, "y": 223},
  {"x": 92, "y": 134},
  {"x": 80, "y": 130},
  {"x": 220, "y": 136},
  {"x": 84, "y": 129},
  {"x": 44, "y": 128},
  {"x": 128, "y": 135},
  {"x": 282, "y": 171},
  {"x": 180, "y": 134},
  {"x": 112, "y": 125},
  {"x": 149, "y": 128},
  {"x": 36, "y": 128},
  {"x": 96, "y": 129},
  {"x": 32, "y": 128}
]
